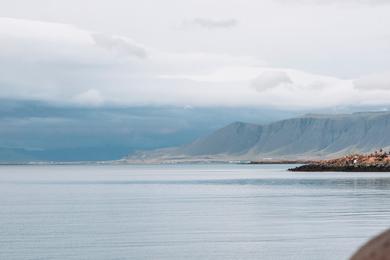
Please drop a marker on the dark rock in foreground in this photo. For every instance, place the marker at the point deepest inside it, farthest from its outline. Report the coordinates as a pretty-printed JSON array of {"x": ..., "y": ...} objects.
[
  {"x": 375, "y": 249},
  {"x": 375, "y": 162}
]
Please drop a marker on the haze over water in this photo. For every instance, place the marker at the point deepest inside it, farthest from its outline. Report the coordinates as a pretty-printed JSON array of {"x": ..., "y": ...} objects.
[{"x": 187, "y": 212}]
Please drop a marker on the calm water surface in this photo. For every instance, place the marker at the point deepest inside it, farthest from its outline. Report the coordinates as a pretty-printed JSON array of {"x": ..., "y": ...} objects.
[{"x": 187, "y": 212}]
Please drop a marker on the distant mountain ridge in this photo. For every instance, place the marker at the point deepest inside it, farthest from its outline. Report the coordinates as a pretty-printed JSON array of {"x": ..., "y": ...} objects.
[{"x": 309, "y": 136}]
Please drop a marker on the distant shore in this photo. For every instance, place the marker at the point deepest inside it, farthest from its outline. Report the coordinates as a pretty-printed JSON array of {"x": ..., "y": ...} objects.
[{"x": 282, "y": 162}]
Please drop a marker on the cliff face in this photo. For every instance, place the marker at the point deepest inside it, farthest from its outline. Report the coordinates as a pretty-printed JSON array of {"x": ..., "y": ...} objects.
[
  {"x": 237, "y": 138},
  {"x": 307, "y": 136},
  {"x": 325, "y": 135}
]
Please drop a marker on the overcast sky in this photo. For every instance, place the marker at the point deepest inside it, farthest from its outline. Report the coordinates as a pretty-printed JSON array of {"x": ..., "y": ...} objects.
[{"x": 280, "y": 53}]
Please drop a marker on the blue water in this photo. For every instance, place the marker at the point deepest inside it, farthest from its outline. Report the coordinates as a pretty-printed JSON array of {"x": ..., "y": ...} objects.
[{"x": 187, "y": 212}]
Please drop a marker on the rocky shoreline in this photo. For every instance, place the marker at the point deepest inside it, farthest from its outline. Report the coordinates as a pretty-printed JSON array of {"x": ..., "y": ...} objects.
[{"x": 378, "y": 161}]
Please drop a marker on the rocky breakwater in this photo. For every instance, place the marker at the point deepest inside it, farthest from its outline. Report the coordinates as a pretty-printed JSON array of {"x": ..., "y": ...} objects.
[{"x": 378, "y": 161}]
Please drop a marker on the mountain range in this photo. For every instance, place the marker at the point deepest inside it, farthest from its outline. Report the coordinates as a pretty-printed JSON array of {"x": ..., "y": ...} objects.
[{"x": 307, "y": 137}]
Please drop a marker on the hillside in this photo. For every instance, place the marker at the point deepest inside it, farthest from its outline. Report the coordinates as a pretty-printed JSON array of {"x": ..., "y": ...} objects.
[{"x": 309, "y": 136}]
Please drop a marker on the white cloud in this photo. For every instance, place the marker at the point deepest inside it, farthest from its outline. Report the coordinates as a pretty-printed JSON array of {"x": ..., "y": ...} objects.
[
  {"x": 270, "y": 79},
  {"x": 62, "y": 63},
  {"x": 344, "y": 40},
  {"x": 91, "y": 97},
  {"x": 374, "y": 82},
  {"x": 119, "y": 45}
]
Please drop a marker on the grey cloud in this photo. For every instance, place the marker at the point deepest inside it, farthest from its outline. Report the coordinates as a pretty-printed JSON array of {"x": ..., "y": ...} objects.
[
  {"x": 317, "y": 85},
  {"x": 327, "y": 2},
  {"x": 270, "y": 79},
  {"x": 66, "y": 65},
  {"x": 119, "y": 45},
  {"x": 215, "y": 24},
  {"x": 373, "y": 82}
]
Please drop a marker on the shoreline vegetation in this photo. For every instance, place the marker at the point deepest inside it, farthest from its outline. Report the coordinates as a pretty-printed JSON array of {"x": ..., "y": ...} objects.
[{"x": 379, "y": 161}]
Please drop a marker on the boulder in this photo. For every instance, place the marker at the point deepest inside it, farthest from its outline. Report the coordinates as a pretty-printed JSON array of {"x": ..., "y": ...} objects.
[{"x": 377, "y": 248}]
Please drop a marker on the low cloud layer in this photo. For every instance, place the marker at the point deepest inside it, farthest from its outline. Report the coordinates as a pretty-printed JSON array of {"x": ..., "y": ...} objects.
[
  {"x": 60, "y": 63},
  {"x": 271, "y": 79},
  {"x": 121, "y": 46},
  {"x": 377, "y": 82}
]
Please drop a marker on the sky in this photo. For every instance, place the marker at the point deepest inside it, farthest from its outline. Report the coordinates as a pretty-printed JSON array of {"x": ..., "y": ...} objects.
[
  {"x": 105, "y": 62},
  {"x": 287, "y": 54}
]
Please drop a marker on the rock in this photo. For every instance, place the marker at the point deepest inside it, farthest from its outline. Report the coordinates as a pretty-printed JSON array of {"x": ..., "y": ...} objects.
[
  {"x": 379, "y": 161},
  {"x": 377, "y": 248}
]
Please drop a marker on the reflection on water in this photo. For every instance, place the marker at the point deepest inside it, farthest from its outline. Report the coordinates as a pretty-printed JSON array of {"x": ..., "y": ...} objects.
[
  {"x": 187, "y": 212},
  {"x": 340, "y": 183}
]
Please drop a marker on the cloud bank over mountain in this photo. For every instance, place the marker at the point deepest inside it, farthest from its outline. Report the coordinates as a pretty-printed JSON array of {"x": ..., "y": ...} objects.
[
  {"x": 271, "y": 79},
  {"x": 115, "y": 73},
  {"x": 63, "y": 63},
  {"x": 374, "y": 82}
]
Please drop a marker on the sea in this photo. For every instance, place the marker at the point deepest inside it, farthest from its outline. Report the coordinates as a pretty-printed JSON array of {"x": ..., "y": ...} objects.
[{"x": 209, "y": 211}]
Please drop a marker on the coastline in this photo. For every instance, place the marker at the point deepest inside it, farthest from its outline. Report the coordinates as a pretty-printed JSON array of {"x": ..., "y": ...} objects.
[
  {"x": 281, "y": 162},
  {"x": 324, "y": 168},
  {"x": 379, "y": 161}
]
